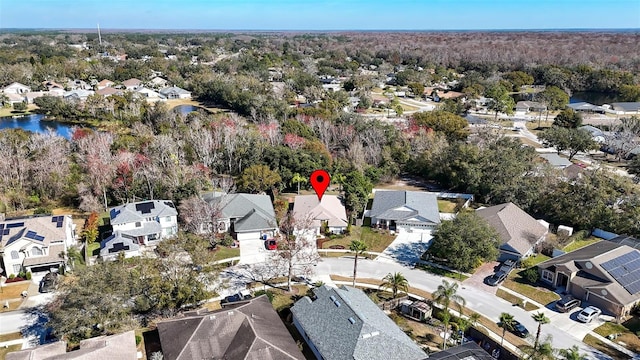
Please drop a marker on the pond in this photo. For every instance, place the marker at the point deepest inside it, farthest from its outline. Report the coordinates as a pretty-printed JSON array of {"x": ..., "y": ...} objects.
[
  {"x": 35, "y": 124},
  {"x": 186, "y": 109}
]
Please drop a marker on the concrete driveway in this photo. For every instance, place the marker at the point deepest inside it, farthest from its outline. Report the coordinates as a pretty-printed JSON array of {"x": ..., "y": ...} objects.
[{"x": 407, "y": 248}]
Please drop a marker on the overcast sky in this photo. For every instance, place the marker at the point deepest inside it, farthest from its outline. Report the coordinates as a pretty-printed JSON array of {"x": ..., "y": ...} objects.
[{"x": 321, "y": 14}]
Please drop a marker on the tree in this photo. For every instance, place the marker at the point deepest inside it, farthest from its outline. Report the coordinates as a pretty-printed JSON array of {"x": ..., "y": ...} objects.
[
  {"x": 500, "y": 100},
  {"x": 630, "y": 93},
  {"x": 554, "y": 97},
  {"x": 297, "y": 178},
  {"x": 20, "y": 106},
  {"x": 572, "y": 353},
  {"x": 356, "y": 191},
  {"x": 90, "y": 233},
  {"x": 633, "y": 167},
  {"x": 568, "y": 118},
  {"x": 416, "y": 88},
  {"x": 446, "y": 293},
  {"x": 453, "y": 126},
  {"x": 506, "y": 322},
  {"x": 518, "y": 79},
  {"x": 358, "y": 248},
  {"x": 570, "y": 139},
  {"x": 541, "y": 319},
  {"x": 465, "y": 242},
  {"x": 258, "y": 178},
  {"x": 396, "y": 282}
]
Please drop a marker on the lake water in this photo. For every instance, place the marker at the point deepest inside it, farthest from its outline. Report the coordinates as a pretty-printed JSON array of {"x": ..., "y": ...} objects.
[
  {"x": 34, "y": 124},
  {"x": 185, "y": 109},
  {"x": 592, "y": 97}
]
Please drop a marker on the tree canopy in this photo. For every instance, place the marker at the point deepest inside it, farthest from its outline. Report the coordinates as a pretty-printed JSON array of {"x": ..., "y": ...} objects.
[{"x": 453, "y": 126}]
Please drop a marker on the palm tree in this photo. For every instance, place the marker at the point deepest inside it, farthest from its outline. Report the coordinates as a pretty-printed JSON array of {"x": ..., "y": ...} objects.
[
  {"x": 541, "y": 319},
  {"x": 506, "y": 321},
  {"x": 358, "y": 247},
  {"x": 396, "y": 282},
  {"x": 474, "y": 318},
  {"x": 445, "y": 321},
  {"x": 445, "y": 294},
  {"x": 297, "y": 178},
  {"x": 572, "y": 354}
]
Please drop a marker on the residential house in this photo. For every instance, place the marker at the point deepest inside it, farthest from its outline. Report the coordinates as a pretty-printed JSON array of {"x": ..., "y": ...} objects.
[
  {"x": 626, "y": 108},
  {"x": 475, "y": 120},
  {"x": 119, "y": 346},
  {"x": 519, "y": 232},
  {"x": 250, "y": 330},
  {"x": 35, "y": 244},
  {"x": 150, "y": 95},
  {"x": 523, "y": 107},
  {"x": 343, "y": 323},
  {"x": 132, "y": 84},
  {"x": 30, "y": 96},
  {"x": 597, "y": 134},
  {"x": 404, "y": 210},
  {"x": 467, "y": 351},
  {"x": 15, "y": 98},
  {"x": 108, "y": 91},
  {"x": 328, "y": 214},
  {"x": 604, "y": 274},
  {"x": 54, "y": 88},
  {"x": 104, "y": 84},
  {"x": 16, "y": 88},
  {"x": 78, "y": 85},
  {"x": 158, "y": 83},
  {"x": 175, "y": 92},
  {"x": 556, "y": 160},
  {"x": 111, "y": 247},
  {"x": 145, "y": 221},
  {"x": 246, "y": 216},
  {"x": 77, "y": 95},
  {"x": 586, "y": 107},
  {"x": 626, "y": 240}
]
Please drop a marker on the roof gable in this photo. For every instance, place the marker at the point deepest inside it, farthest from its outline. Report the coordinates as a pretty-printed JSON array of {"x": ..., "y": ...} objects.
[
  {"x": 396, "y": 205},
  {"x": 328, "y": 209},
  {"x": 138, "y": 211}
]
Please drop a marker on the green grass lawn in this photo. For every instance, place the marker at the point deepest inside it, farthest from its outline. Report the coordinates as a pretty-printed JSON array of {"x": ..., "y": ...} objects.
[
  {"x": 626, "y": 332},
  {"x": 442, "y": 272},
  {"x": 376, "y": 240},
  {"x": 515, "y": 300},
  {"x": 223, "y": 252},
  {"x": 594, "y": 342},
  {"x": 5, "y": 350},
  {"x": 536, "y": 259},
  {"x": 539, "y": 294},
  {"x": 575, "y": 245},
  {"x": 10, "y": 336},
  {"x": 94, "y": 249},
  {"x": 446, "y": 206}
]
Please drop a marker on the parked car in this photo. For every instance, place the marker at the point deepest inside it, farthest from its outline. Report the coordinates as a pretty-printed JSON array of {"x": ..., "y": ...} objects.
[
  {"x": 48, "y": 282},
  {"x": 508, "y": 265},
  {"x": 588, "y": 314},
  {"x": 239, "y": 296},
  {"x": 302, "y": 279},
  {"x": 497, "y": 278},
  {"x": 519, "y": 329},
  {"x": 567, "y": 303},
  {"x": 271, "y": 244}
]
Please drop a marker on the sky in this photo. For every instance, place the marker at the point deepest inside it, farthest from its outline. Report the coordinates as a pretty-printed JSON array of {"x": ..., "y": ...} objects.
[{"x": 321, "y": 14}]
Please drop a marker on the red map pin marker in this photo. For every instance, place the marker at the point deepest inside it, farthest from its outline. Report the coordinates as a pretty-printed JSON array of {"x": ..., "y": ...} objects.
[{"x": 320, "y": 180}]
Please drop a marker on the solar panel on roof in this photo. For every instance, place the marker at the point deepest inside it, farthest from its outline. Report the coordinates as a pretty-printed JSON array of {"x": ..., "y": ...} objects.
[
  {"x": 5, "y": 232},
  {"x": 54, "y": 219},
  {"x": 145, "y": 207},
  {"x": 1, "y": 226},
  {"x": 39, "y": 238},
  {"x": 625, "y": 269},
  {"x": 31, "y": 234},
  {"x": 15, "y": 225},
  {"x": 59, "y": 223}
]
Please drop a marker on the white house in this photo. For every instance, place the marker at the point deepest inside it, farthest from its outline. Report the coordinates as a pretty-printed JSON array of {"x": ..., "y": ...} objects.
[
  {"x": 35, "y": 244},
  {"x": 16, "y": 88},
  {"x": 329, "y": 213},
  {"x": 175, "y": 92},
  {"x": 112, "y": 246},
  {"x": 150, "y": 95},
  {"x": 146, "y": 221},
  {"x": 132, "y": 84},
  {"x": 158, "y": 83}
]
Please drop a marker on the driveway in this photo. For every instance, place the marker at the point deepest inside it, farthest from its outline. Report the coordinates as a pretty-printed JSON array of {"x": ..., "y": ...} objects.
[
  {"x": 252, "y": 251},
  {"x": 407, "y": 248},
  {"x": 477, "y": 279}
]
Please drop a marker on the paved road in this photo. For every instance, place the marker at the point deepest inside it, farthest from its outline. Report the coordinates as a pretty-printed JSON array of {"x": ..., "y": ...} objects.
[
  {"x": 12, "y": 321},
  {"x": 565, "y": 332}
]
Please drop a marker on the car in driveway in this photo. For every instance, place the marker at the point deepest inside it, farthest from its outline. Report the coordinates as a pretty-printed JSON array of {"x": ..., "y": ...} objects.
[
  {"x": 271, "y": 244},
  {"x": 507, "y": 266},
  {"x": 588, "y": 314},
  {"x": 518, "y": 329},
  {"x": 567, "y": 303},
  {"x": 239, "y": 296},
  {"x": 48, "y": 282},
  {"x": 497, "y": 278}
]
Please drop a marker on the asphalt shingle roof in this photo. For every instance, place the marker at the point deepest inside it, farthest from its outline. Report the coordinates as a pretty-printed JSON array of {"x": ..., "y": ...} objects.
[
  {"x": 253, "y": 212},
  {"x": 330, "y": 209},
  {"x": 344, "y": 323},
  {"x": 406, "y": 206},
  {"x": 132, "y": 212}
]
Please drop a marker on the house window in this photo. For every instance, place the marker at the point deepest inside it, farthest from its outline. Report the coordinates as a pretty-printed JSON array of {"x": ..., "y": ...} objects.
[
  {"x": 138, "y": 224},
  {"x": 167, "y": 219},
  {"x": 547, "y": 276},
  {"x": 14, "y": 255},
  {"x": 222, "y": 226},
  {"x": 36, "y": 251},
  {"x": 17, "y": 268}
]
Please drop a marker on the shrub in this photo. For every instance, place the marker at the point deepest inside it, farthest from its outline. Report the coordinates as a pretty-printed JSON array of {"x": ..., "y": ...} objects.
[
  {"x": 28, "y": 275},
  {"x": 12, "y": 276},
  {"x": 138, "y": 339},
  {"x": 42, "y": 211},
  {"x": 531, "y": 275},
  {"x": 227, "y": 240}
]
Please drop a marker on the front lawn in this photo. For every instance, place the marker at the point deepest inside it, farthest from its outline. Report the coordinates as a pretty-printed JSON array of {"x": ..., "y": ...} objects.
[
  {"x": 627, "y": 333},
  {"x": 223, "y": 252},
  {"x": 13, "y": 290},
  {"x": 443, "y": 272},
  {"x": 517, "y": 283},
  {"x": 596, "y": 343},
  {"x": 515, "y": 300},
  {"x": 376, "y": 240},
  {"x": 5, "y": 350}
]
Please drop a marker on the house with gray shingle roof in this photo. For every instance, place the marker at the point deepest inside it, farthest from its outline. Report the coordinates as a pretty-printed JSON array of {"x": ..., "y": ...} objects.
[
  {"x": 626, "y": 107},
  {"x": 250, "y": 330},
  {"x": 120, "y": 346},
  {"x": 175, "y": 92},
  {"x": 404, "y": 210},
  {"x": 145, "y": 221},
  {"x": 556, "y": 160},
  {"x": 34, "y": 244},
  {"x": 112, "y": 246},
  {"x": 343, "y": 323},
  {"x": 519, "y": 232},
  {"x": 329, "y": 212}
]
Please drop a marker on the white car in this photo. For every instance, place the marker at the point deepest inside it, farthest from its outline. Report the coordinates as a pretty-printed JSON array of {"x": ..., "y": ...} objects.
[{"x": 589, "y": 314}]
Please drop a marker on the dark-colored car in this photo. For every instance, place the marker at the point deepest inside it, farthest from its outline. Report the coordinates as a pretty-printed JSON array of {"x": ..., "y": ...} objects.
[
  {"x": 567, "y": 303},
  {"x": 507, "y": 266},
  {"x": 497, "y": 278},
  {"x": 519, "y": 329},
  {"x": 48, "y": 282}
]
